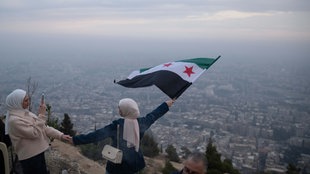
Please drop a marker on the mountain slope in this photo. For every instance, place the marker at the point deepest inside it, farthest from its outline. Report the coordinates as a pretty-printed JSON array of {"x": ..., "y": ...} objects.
[{"x": 63, "y": 156}]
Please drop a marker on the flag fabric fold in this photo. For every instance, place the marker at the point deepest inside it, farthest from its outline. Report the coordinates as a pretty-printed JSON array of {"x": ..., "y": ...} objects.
[{"x": 172, "y": 78}]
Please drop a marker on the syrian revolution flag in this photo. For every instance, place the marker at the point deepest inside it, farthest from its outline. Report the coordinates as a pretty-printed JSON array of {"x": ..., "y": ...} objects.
[{"x": 173, "y": 78}]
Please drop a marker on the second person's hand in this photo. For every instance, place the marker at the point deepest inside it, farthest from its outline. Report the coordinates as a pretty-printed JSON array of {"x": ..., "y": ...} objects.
[
  {"x": 67, "y": 138},
  {"x": 170, "y": 102}
]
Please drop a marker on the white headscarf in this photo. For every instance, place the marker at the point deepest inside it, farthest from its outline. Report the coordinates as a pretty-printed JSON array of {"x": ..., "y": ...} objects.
[
  {"x": 13, "y": 102},
  {"x": 130, "y": 111}
]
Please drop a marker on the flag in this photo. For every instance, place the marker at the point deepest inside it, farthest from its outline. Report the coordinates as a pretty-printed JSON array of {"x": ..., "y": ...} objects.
[{"x": 172, "y": 78}]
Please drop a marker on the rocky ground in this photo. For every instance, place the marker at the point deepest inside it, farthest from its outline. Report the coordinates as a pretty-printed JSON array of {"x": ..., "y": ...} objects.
[{"x": 62, "y": 156}]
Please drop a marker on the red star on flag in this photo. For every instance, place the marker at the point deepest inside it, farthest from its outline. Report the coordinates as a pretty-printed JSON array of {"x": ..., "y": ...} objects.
[
  {"x": 188, "y": 71},
  {"x": 167, "y": 64}
]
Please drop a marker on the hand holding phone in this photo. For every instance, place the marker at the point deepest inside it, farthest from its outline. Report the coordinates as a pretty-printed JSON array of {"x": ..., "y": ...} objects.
[
  {"x": 42, "y": 108},
  {"x": 42, "y": 99}
]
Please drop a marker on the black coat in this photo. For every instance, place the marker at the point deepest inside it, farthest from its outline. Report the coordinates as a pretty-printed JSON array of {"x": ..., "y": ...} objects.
[{"x": 132, "y": 161}]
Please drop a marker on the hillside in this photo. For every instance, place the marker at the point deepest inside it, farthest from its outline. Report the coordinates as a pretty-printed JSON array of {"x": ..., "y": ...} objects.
[{"x": 65, "y": 156}]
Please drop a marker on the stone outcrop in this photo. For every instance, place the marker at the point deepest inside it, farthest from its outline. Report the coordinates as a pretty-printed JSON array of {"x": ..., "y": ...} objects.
[{"x": 62, "y": 156}]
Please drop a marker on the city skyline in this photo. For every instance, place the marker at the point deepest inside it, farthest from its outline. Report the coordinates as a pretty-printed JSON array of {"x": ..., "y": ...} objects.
[{"x": 246, "y": 106}]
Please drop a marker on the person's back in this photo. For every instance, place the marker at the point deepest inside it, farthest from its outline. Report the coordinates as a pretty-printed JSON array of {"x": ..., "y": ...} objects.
[
  {"x": 131, "y": 128},
  {"x": 132, "y": 160}
]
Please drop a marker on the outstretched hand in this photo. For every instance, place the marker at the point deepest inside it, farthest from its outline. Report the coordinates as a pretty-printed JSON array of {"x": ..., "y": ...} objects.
[
  {"x": 70, "y": 141},
  {"x": 66, "y": 138},
  {"x": 170, "y": 102}
]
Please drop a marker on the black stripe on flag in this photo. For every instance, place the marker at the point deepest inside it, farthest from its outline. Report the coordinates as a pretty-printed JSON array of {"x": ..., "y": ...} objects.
[{"x": 168, "y": 82}]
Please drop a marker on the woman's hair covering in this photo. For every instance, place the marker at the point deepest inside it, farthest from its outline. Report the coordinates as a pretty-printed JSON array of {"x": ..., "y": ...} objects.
[
  {"x": 14, "y": 102},
  {"x": 129, "y": 108},
  {"x": 130, "y": 111}
]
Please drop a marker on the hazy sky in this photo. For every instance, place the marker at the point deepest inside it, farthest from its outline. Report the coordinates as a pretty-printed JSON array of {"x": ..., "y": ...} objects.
[
  {"x": 254, "y": 32},
  {"x": 60, "y": 23}
]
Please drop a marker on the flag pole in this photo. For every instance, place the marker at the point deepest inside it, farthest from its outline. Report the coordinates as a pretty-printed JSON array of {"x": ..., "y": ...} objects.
[{"x": 215, "y": 60}]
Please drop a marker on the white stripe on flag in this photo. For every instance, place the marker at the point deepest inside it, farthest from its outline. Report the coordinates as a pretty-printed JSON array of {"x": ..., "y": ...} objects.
[{"x": 176, "y": 67}]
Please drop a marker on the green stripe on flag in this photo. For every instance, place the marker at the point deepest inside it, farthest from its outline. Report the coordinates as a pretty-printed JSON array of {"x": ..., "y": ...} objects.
[
  {"x": 203, "y": 63},
  {"x": 144, "y": 69}
]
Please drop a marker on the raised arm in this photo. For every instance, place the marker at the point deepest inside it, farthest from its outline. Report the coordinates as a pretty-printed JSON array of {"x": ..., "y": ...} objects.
[{"x": 150, "y": 118}]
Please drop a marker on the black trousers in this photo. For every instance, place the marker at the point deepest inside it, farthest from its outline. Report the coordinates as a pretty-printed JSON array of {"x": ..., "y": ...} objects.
[
  {"x": 34, "y": 165},
  {"x": 2, "y": 169}
]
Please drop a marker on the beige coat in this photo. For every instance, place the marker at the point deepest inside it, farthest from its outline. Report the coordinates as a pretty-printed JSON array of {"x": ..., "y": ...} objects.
[{"x": 29, "y": 134}]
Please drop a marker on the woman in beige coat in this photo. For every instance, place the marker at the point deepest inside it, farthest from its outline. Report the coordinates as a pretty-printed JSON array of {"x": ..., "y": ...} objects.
[{"x": 28, "y": 132}]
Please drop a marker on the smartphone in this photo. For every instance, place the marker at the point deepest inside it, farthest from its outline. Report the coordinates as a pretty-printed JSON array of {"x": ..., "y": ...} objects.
[{"x": 42, "y": 98}]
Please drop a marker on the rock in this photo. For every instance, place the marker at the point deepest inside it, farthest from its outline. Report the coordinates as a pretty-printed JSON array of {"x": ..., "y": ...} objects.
[{"x": 62, "y": 156}]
